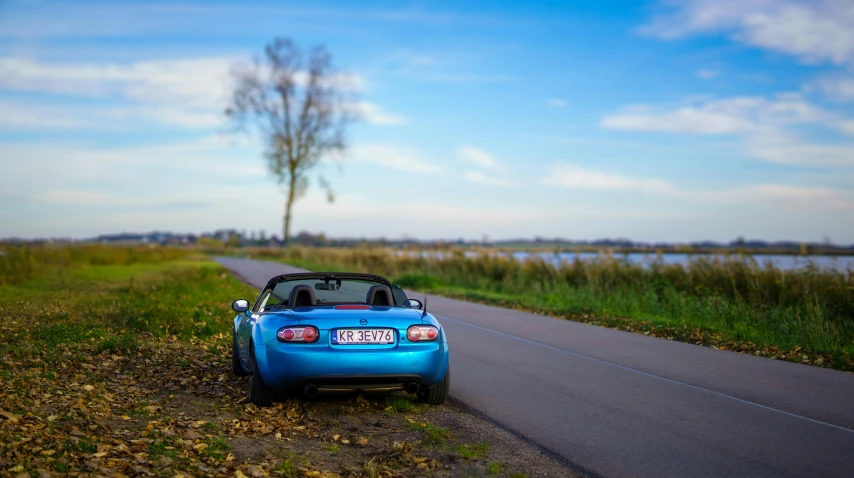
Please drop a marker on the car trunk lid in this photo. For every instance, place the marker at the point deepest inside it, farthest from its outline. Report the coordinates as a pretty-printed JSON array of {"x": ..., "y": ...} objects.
[{"x": 357, "y": 316}]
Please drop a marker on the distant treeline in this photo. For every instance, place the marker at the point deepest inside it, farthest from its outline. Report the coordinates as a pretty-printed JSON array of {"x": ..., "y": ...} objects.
[
  {"x": 242, "y": 238},
  {"x": 619, "y": 246}
]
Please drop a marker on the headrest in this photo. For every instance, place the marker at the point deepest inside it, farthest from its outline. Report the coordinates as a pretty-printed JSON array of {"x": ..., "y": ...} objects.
[
  {"x": 302, "y": 296},
  {"x": 379, "y": 295}
]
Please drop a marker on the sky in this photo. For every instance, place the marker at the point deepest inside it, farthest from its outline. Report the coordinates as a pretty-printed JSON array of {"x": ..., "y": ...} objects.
[{"x": 651, "y": 120}]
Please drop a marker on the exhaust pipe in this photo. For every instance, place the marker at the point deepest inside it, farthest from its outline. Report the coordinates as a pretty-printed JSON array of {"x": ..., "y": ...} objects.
[
  {"x": 310, "y": 390},
  {"x": 412, "y": 387}
]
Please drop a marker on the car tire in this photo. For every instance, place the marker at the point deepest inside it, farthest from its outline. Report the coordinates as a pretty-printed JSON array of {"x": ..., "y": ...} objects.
[
  {"x": 259, "y": 393},
  {"x": 236, "y": 367},
  {"x": 437, "y": 394}
]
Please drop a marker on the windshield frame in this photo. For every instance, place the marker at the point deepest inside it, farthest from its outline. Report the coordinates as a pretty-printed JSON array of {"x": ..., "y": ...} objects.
[{"x": 397, "y": 291}]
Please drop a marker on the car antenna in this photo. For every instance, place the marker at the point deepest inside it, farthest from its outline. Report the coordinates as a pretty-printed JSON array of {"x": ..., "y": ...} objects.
[{"x": 425, "y": 305}]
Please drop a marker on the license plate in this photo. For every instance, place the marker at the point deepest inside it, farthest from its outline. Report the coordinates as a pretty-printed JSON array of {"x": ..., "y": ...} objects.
[{"x": 362, "y": 336}]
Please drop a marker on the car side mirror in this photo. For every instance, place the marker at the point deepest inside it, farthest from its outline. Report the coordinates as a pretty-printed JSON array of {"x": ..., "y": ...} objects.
[
  {"x": 240, "y": 305},
  {"x": 413, "y": 304}
]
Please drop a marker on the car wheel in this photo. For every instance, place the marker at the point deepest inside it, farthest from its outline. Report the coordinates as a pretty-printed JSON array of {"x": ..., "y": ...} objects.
[
  {"x": 437, "y": 394},
  {"x": 236, "y": 367},
  {"x": 259, "y": 393}
]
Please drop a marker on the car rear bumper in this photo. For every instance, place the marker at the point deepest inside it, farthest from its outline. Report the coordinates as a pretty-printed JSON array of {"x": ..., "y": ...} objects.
[{"x": 284, "y": 366}]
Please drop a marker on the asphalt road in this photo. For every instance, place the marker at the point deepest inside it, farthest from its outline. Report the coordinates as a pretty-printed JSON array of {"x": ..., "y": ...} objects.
[{"x": 621, "y": 404}]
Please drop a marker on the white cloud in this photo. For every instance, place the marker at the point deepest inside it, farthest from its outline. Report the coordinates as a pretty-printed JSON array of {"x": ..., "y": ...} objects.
[
  {"x": 785, "y": 150},
  {"x": 183, "y": 92},
  {"x": 392, "y": 157},
  {"x": 557, "y": 103},
  {"x": 572, "y": 176},
  {"x": 76, "y": 196},
  {"x": 496, "y": 172},
  {"x": 795, "y": 193},
  {"x": 16, "y": 115},
  {"x": 736, "y": 115},
  {"x": 840, "y": 88},
  {"x": 761, "y": 122},
  {"x": 707, "y": 74},
  {"x": 201, "y": 82},
  {"x": 487, "y": 180},
  {"x": 478, "y": 157},
  {"x": 812, "y": 30},
  {"x": 846, "y": 127},
  {"x": 372, "y": 113},
  {"x": 187, "y": 92},
  {"x": 174, "y": 116},
  {"x": 190, "y": 82},
  {"x": 65, "y": 165},
  {"x": 683, "y": 120}
]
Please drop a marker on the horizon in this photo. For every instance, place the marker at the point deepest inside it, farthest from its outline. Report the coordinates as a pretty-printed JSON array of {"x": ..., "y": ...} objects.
[
  {"x": 656, "y": 121},
  {"x": 296, "y": 237}
]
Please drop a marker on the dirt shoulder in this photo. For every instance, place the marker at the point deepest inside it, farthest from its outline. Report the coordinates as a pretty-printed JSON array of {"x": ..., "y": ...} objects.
[{"x": 173, "y": 409}]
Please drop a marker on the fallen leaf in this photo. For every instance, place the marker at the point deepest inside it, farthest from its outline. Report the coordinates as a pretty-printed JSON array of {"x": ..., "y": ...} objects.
[{"x": 11, "y": 416}]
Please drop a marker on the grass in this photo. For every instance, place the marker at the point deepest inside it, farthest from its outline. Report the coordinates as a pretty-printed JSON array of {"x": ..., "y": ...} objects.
[
  {"x": 286, "y": 468},
  {"x": 731, "y": 303},
  {"x": 19, "y": 263},
  {"x": 474, "y": 451},
  {"x": 402, "y": 403},
  {"x": 433, "y": 434},
  {"x": 110, "y": 306},
  {"x": 82, "y": 445},
  {"x": 216, "y": 448}
]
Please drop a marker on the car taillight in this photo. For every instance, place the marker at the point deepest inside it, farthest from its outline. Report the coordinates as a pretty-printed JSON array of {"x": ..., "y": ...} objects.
[
  {"x": 413, "y": 333},
  {"x": 297, "y": 334},
  {"x": 421, "y": 333}
]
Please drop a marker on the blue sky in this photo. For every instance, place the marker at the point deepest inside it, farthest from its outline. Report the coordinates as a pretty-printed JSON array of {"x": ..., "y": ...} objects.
[{"x": 649, "y": 120}]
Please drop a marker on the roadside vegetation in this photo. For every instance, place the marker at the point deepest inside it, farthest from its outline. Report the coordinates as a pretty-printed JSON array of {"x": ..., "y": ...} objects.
[
  {"x": 803, "y": 315},
  {"x": 116, "y": 361}
]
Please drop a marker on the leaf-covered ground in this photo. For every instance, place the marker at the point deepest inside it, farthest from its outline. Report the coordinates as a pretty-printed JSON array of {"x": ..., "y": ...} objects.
[{"x": 124, "y": 370}]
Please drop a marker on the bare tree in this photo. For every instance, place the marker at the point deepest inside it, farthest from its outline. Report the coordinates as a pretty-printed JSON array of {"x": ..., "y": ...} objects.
[{"x": 296, "y": 102}]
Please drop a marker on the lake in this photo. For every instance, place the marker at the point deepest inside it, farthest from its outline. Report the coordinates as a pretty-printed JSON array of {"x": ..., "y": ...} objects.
[{"x": 780, "y": 261}]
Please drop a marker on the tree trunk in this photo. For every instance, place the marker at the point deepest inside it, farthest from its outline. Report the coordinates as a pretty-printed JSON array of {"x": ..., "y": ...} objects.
[{"x": 289, "y": 202}]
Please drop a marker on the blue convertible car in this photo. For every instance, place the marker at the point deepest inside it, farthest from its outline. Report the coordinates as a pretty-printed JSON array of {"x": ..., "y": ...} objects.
[{"x": 324, "y": 332}]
